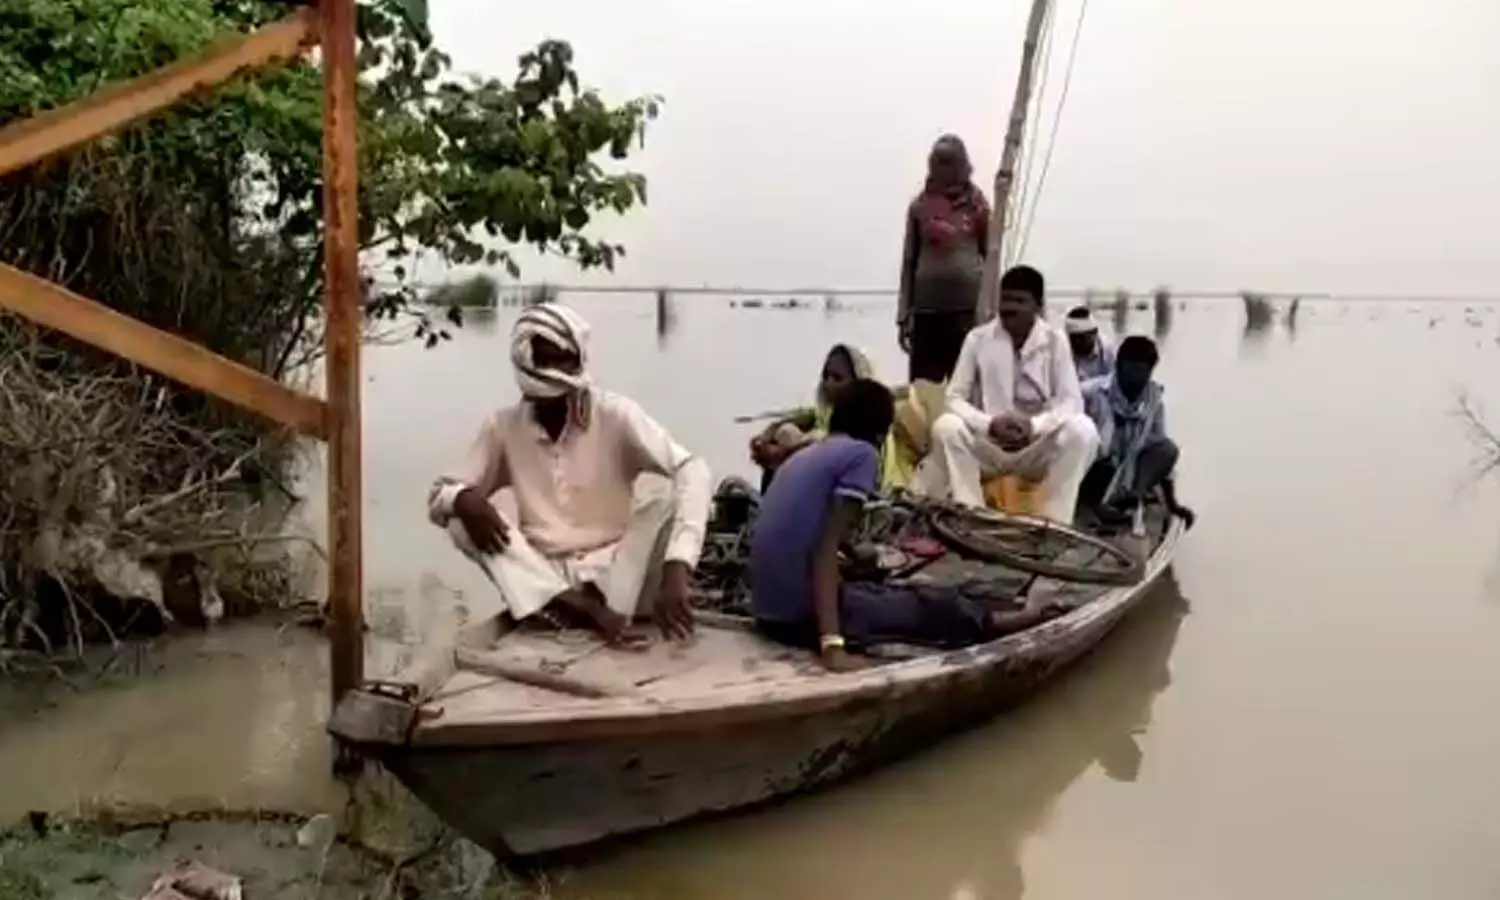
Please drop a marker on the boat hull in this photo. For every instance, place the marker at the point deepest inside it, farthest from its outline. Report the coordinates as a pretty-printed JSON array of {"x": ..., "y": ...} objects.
[{"x": 527, "y": 799}]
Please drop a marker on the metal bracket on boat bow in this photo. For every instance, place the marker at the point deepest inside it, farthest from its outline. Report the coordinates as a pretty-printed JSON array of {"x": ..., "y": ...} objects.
[
  {"x": 377, "y": 712},
  {"x": 400, "y": 690}
]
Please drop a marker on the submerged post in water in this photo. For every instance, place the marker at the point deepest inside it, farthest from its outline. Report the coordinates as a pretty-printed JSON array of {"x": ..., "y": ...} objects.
[{"x": 342, "y": 337}]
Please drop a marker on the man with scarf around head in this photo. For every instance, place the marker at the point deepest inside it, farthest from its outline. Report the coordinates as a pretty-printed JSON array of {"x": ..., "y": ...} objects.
[
  {"x": 1135, "y": 455},
  {"x": 1014, "y": 407},
  {"x": 942, "y": 263},
  {"x": 582, "y": 547},
  {"x": 1093, "y": 357}
]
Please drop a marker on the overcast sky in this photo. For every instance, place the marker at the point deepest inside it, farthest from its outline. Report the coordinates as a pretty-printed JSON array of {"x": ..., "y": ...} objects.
[{"x": 1345, "y": 145}]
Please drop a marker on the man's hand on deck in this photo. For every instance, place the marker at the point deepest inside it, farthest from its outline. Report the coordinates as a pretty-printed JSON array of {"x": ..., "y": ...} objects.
[
  {"x": 482, "y": 521},
  {"x": 674, "y": 609}
]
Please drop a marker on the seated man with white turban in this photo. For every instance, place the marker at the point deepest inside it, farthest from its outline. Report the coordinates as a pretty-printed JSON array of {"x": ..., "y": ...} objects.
[
  {"x": 1093, "y": 356},
  {"x": 571, "y": 453}
]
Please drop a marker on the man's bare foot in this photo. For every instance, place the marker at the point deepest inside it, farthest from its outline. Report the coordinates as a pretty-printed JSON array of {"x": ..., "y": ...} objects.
[{"x": 587, "y": 601}]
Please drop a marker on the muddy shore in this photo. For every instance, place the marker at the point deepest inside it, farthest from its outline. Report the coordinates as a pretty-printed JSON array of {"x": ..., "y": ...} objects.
[
  {"x": 210, "y": 747},
  {"x": 109, "y": 855}
]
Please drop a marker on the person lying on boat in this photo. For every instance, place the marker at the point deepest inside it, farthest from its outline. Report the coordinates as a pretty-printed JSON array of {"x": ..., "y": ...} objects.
[
  {"x": 582, "y": 547},
  {"x": 1015, "y": 407},
  {"x": 803, "y": 427},
  {"x": 1136, "y": 457},
  {"x": 797, "y": 593},
  {"x": 1093, "y": 357}
]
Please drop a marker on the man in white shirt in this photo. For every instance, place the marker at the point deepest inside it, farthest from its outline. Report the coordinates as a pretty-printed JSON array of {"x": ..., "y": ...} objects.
[
  {"x": 572, "y": 453},
  {"x": 1093, "y": 356},
  {"x": 1015, "y": 406}
]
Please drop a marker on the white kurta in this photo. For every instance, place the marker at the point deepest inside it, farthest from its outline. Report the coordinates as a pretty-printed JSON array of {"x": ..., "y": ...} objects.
[
  {"x": 1039, "y": 381},
  {"x": 578, "y": 516}
]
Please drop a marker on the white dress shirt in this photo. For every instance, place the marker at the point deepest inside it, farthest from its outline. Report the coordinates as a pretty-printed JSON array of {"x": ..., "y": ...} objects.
[{"x": 991, "y": 378}]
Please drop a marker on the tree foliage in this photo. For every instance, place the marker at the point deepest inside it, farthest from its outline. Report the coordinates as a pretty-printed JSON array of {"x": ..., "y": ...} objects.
[{"x": 455, "y": 168}]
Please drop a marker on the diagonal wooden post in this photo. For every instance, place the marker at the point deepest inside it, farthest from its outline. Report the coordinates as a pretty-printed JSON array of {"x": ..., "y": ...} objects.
[
  {"x": 47, "y": 134},
  {"x": 343, "y": 324},
  {"x": 54, "y": 306}
]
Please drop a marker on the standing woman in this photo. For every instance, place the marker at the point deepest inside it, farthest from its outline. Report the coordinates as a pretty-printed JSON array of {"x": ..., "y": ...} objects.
[{"x": 942, "y": 263}]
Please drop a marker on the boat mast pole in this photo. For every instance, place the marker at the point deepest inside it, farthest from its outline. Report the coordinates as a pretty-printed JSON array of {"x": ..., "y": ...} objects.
[{"x": 1005, "y": 176}]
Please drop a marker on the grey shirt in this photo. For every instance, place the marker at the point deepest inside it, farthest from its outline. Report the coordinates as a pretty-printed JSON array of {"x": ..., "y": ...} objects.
[{"x": 938, "y": 280}]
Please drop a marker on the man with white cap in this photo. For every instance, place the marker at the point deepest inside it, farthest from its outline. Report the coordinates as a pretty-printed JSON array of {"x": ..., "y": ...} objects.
[
  {"x": 1092, "y": 355},
  {"x": 581, "y": 546}
]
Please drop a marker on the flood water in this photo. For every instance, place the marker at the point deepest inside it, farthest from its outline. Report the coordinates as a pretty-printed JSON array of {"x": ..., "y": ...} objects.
[{"x": 1310, "y": 708}]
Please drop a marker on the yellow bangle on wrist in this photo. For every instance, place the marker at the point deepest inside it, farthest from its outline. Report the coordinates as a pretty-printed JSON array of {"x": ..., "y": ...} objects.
[{"x": 831, "y": 642}]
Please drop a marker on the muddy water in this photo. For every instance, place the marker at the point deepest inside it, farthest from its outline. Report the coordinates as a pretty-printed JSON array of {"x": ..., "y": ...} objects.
[{"x": 1310, "y": 709}]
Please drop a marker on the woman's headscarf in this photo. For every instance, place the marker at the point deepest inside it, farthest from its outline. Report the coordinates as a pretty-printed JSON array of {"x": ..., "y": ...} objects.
[
  {"x": 948, "y": 212},
  {"x": 949, "y": 147},
  {"x": 859, "y": 365},
  {"x": 893, "y": 471},
  {"x": 562, "y": 327}
]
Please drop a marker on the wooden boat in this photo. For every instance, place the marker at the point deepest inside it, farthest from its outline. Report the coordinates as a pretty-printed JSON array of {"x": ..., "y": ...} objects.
[{"x": 527, "y": 742}]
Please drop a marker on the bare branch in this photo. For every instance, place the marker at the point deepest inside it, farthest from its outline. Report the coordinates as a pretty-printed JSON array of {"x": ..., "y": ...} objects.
[{"x": 1484, "y": 438}]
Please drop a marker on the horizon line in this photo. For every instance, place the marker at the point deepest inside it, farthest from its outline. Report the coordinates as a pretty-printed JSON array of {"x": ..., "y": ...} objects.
[{"x": 1106, "y": 295}]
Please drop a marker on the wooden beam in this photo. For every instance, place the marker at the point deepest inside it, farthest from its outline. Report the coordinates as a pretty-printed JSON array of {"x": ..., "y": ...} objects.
[
  {"x": 344, "y": 318},
  {"x": 107, "y": 110},
  {"x": 181, "y": 360}
]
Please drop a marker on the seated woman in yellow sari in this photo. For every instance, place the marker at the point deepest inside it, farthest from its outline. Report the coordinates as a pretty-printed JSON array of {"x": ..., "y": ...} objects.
[{"x": 801, "y": 427}]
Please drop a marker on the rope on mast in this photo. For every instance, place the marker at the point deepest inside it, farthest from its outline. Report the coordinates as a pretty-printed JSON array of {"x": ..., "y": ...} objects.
[
  {"x": 1062, "y": 102},
  {"x": 1015, "y": 133},
  {"x": 1017, "y": 214}
]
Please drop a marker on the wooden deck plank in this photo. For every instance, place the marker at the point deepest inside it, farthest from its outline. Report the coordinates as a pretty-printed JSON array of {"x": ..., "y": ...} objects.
[{"x": 715, "y": 659}]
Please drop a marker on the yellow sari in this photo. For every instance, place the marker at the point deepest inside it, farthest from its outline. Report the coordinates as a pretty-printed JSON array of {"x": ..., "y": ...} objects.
[{"x": 895, "y": 465}]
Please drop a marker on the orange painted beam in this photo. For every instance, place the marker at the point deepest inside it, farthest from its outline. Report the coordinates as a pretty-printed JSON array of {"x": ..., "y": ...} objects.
[
  {"x": 57, "y": 130},
  {"x": 343, "y": 321},
  {"x": 181, "y": 360}
]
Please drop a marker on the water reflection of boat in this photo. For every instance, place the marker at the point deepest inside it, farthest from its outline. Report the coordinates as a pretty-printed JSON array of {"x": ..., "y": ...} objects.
[
  {"x": 951, "y": 823},
  {"x": 527, "y": 745}
]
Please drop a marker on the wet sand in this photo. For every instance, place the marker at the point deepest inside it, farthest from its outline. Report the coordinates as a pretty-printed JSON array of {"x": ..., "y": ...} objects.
[{"x": 1322, "y": 723}]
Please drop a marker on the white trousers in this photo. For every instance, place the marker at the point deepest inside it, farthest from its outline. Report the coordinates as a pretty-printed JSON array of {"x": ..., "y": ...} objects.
[
  {"x": 627, "y": 572},
  {"x": 1058, "y": 460}
]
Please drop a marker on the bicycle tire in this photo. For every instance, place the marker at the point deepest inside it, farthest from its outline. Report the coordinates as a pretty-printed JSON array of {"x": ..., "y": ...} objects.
[{"x": 947, "y": 524}]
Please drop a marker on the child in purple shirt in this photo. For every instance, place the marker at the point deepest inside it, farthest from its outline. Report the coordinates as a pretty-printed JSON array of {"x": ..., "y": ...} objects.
[{"x": 811, "y": 507}]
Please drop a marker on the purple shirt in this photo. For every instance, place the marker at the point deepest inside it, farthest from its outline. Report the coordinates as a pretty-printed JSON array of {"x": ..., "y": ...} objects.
[{"x": 792, "y": 515}]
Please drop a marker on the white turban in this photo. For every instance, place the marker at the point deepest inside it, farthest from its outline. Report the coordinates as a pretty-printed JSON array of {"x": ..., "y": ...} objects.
[
  {"x": 557, "y": 325},
  {"x": 1083, "y": 324}
]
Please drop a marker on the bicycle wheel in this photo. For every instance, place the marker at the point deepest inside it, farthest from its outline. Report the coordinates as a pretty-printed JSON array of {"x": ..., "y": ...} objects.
[
  {"x": 882, "y": 521},
  {"x": 1036, "y": 546}
]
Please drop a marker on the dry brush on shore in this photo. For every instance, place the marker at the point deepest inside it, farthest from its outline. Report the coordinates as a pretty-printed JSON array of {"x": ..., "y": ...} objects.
[{"x": 118, "y": 509}]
